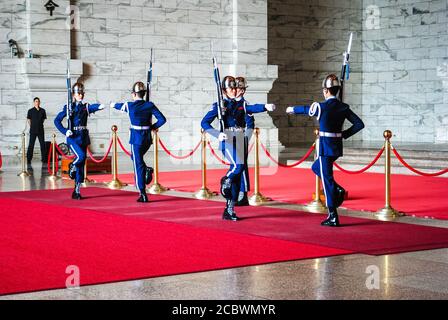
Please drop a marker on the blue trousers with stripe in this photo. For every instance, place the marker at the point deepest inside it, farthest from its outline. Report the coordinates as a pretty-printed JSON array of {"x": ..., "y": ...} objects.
[
  {"x": 245, "y": 181},
  {"x": 234, "y": 154},
  {"x": 323, "y": 167},
  {"x": 80, "y": 151},
  {"x": 137, "y": 153}
]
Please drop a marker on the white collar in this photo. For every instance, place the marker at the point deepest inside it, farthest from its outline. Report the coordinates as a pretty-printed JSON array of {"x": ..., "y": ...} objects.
[{"x": 330, "y": 97}]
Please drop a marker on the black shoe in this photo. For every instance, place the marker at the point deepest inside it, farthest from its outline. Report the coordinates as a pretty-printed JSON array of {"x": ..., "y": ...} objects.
[
  {"x": 332, "y": 219},
  {"x": 340, "y": 196},
  {"x": 76, "y": 196},
  {"x": 148, "y": 175},
  {"x": 243, "y": 202},
  {"x": 230, "y": 215},
  {"x": 72, "y": 171},
  {"x": 143, "y": 198}
]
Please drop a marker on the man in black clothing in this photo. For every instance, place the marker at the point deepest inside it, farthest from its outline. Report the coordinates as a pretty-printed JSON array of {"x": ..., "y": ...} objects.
[{"x": 36, "y": 117}]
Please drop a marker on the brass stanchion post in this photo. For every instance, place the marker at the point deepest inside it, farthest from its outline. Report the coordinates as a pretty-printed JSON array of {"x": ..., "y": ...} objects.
[
  {"x": 53, "y": 175},
  {"x": 115, "y": 183},
  {"x": 86, "y": 179},
  {"x": 156, "y": 187},
  {"x": 204, "y": 192},
  {"x": 257, "y": 198},
  {"x": 24, "y": 173},
  {"x": 316, "y": 205},
  {"x": 388, "y": 212}
]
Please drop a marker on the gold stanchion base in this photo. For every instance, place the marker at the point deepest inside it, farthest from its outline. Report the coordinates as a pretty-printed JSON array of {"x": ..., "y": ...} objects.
[
  {"x": 24, "y": 174},
  {"x": 157, "y": 188},
  {"x": 257, "y": 199},
  {"x": 53, "y": 178},
  {"x": 316, "y": 206},
  {"x": 388, "y": 214},
  {"x": 204, "y": 193},
  {"x": 116, "y": 184}
]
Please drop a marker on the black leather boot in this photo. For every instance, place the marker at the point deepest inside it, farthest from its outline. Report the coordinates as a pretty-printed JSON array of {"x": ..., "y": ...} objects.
[
  {"x": 340, "y": 195},
  {"x": 143, "y": 197},
  {"x": 148, "y": 175},
  {"x": 332, "y": 219},
  {"x": 243, "y": 201},
  {"x": 76, "y": 195},
  {"x": 229, "y": 213}
]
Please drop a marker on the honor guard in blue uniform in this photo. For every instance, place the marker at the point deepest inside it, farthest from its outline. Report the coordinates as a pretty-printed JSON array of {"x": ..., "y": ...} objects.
[
  {"x": 331, "y": 115},
  {"x": 241, "y": 86},
  {"x": 77, "y": 136},
  {"x": 232, "y": 140},
  {"x": 140, "y": 114}
]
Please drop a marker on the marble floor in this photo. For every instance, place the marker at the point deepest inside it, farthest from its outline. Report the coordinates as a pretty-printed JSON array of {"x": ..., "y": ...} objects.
[{"x": 413, "y": 275}]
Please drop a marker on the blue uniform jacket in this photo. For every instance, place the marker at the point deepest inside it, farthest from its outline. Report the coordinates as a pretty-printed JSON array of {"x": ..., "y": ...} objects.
[
  {"x": 140, "y": 113},
  {"x": 235, "y": 115},
  {"x": 80, "y": 113},
  {"x": 332, "y": 114}
]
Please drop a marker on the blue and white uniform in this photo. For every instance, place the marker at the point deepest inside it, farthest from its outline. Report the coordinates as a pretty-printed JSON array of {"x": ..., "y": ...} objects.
[
  {"x": 331, "y": 115},
  {"x": 79, "y": 140},
  {"x": 250, "y": 127},
  {"x": 234, "y": 124},
  {"x": 140, "y": 114}
]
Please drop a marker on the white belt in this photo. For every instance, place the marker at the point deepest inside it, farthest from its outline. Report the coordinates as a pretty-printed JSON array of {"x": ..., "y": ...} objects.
[
  {"x": 330, "y": 134},
  {"x": 80, "y": 128},
  {"x": 140, "y": 127}
]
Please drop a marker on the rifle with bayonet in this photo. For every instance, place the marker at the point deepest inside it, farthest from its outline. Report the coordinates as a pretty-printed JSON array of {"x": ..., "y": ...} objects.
[
  {"x": 69, "y": 97},
  {"x": 149, "y": 79},
  {"x": 345, "y": 72},
  {"x": 220, "y": 101}
]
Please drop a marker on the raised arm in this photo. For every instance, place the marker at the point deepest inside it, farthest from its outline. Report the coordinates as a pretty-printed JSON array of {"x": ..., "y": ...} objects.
[
  {"x": 257, "y": 108},
  {"x": 92, "y": 108},
  {"x": 123, "y": 107}
]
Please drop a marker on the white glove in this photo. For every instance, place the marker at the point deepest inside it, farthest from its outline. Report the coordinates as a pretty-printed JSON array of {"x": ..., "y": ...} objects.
[
  {"x": 111, "y": 104},
  {"x": 290, "y": 110},
  {"x": 68, "y": 133},
  {"x": 101, "y": 107},
  {"x": 222, "y": 136},
  {"x": 270, "y": 106}
]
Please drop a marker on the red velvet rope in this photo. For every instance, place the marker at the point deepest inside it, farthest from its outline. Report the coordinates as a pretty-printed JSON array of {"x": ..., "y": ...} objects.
[
  {"x": 308, "y": 153},
  {"x": 435, "y": 174},
  {"x": 216, "y": 156},
  {"x": 103, "y": 158},
  {"x": 122, "y": 147},
  {"x": 179, "y": 157},
  {"x": 251, "y": 147},
  {"x": 1, "y": 160},
  {"x": 56, "y": 163},
  {"x": 363, "y": 169},
  {"x": 63, "y": 154}
]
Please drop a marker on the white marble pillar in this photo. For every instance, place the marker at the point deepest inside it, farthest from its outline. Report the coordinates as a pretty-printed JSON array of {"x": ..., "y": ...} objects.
[{"x": 48, "y": 36}]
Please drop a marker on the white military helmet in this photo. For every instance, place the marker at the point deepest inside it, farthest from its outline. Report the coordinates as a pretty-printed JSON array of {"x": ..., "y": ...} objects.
[
  {"x": 228, "y": 82},
  {"x": 139, "y": 87},
  {"x": 330, "y": 81},
  {"x": 78, "y": 88},
  {"x": 241, "y": 82}
]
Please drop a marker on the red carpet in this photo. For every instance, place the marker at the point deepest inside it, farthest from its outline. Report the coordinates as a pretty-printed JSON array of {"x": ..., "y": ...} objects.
[
  {"x": 39, "y": 240},
  {"x": 356, "y": 235},
  {"x": 413, "y": 195}
]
